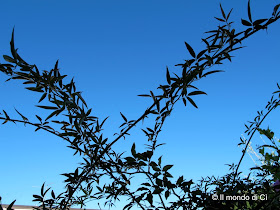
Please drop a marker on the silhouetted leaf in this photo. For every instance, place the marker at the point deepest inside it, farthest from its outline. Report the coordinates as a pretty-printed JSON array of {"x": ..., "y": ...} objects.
[
  {"x": 159, "y": 182},
  {"x": 142, "y": 188},
  {"x": 47, "y": 107},
  {"x": 81, "y": 98},
  {"x": 42, "y": 190},
  {"x": 11, "y": 205},
  {"x": 6, "y": 115},
  {"x": 153, "y": 96},
  {"x": 9, "y": 59},
  {"x": 275, "y": 10},
  {"x": 150, "y": 198},
  {"x": 53, "y": 195},
  {"x": 56, "y": 65},
  {"x": 151, "y": 130},
  {"x": 246, "y": 23},
  {"x": 158, "y": 190},
  {"x": 147, "y": 134},
  {"x": 39, "y": 118},
  {"x": 56, "y": 112},
  {"x": 102, "y": 123},
  {"x": 229, "y": 14},
  {"x": 166, "y": 194},
  {"x": 159, "y": 160},
  {"x": 130, "y": 159},
  {"x": 206, "y": 42},
  {"x": 155, "y": 167},
  {"x": 123, "y": 117},
  {"x": 168, "y": 76},
  {"x": 258, "y": 22},
  {"x": 211, "y": 72},
  {"x": 209, "y": 59},
  {"x": 24, "y": 118},
  {"x": 13, "y": 50},
  {"x": 180, "y": 180},
  {"x": 223, "y": 13},
  {"x": 192, "y": 102},
  {"x": 42, "y": 97},
  {"x": 21, "y": 61},
  {"x": 167, "y": 167},
  {"x": 190, "y": 49},
  {"x": 196, "y": 93},
  {"x": 133, "y": 151},
  {"x": 144, "y": 95},
  {"x": 227, "y": 56},
  {"x": 219, "y": 19},
  {"x": 36, "y": 89},
  {"x": 184, "y": 101},
  {"x": 201, "y": 53},
  {"x": 249, "y": 12},
  {"x": 37, "y": 198},
  {"x": 268, "y": 133}
]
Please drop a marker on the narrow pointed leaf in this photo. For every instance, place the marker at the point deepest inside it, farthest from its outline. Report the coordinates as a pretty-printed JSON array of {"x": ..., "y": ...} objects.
[
  {"x": 123, "y": 117},
  {"x": 103, "y": 122},
  {"x": 42, "y": 189},
  {"x": 246, "y": 23},
  {"x": 47, "y": 107},
  {"x": 275, "y": 9},
  {"x": 184, "y": 101},
  {"x": 13, "y": 50},
  {"x": 201, "y": 53},
  {"x": 42, "y": 97},
  {"x": 150, "y": 198},
  {"x": 223, "y": 13},
  {"x": 133, "y": 151},
  {"x": 249, "y": 12},
  {"x": 144, "y": 95},
  {"x": 198, "y": 92},
  {"x": 52, "y": 193},
  {"x": 39, "y": 118},
  {"x": 192, "y": 102},
  {"x": 258, "y": 22},
  {"x": 56, "y": 65},
  {"x": 9, "y": 59},
  {"x": 36, "y": 89},
  {"x": 212, "y": 72},
  {"x": 229, "y": 14},
  {"x": 190, "y": 49},
  {"x": 7, "y": 116},
  {"x": 219, "y": 19},
  {"x": 56, "y": 112},
  {"x": 24, "y": 118},
  {"x": 81, "y": 98},
  {"x": 11, "y": 205},
  {"x": 168, "y": 76}
]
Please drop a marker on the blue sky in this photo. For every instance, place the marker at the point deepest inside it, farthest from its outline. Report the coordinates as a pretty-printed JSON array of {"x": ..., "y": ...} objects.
[{"x": 116, "y": 50}]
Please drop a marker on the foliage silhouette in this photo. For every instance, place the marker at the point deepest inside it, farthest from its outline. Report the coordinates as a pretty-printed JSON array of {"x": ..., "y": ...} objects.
[{"x": 83, "y": 131}]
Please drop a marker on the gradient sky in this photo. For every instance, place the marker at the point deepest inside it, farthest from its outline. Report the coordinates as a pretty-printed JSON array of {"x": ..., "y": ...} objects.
[{"x": 116, "y": 50}]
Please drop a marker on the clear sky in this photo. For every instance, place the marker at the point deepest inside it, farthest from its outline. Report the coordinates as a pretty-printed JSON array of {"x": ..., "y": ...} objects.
[{"x": 116, "y": 50}]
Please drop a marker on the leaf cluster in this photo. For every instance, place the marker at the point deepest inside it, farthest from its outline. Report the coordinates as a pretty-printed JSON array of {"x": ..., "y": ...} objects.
[{"x": 83, "y": 132}]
